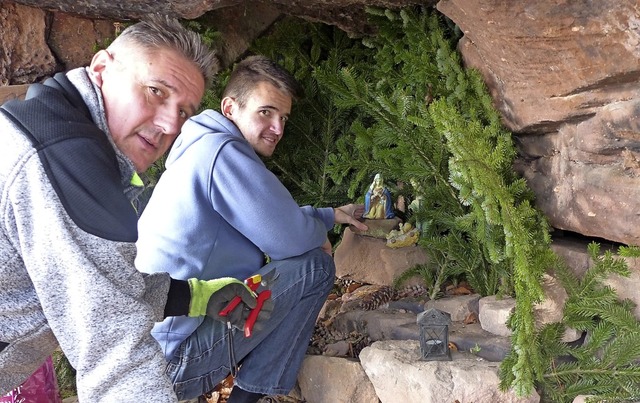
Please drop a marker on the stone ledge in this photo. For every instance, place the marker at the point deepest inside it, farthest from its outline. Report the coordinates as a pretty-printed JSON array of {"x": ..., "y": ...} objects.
[{"x": 12, "y": 91}]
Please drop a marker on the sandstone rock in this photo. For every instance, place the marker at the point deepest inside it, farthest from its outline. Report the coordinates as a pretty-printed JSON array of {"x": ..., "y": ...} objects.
[
  {"x": 458, "y": 307},
  {"x": 528, "y": 53},
  {"x": 574, "y": 253},
  {"x": 473, "y": 338},
  {"x": 379, "y": 324},
  {"x": 337, "y": 349},
  {"x": 466, "y": 378},
  {"x": 347, "y": 14},
  {"x": 13, "y": 92},
  {"x": 627, "y": 287},
  {"x": 240, "y": 26},
  {"x": 331, "y": 379},
  {"x": 494, "y": 314},
  {"x": 369, "y": 260},
  {"x": 550, "y": 309},
  {"x": 585, "y": 175},
  {"x": 74, "y": 40},
  {"x": 24, "y": 54},
  {"x": 584, "y": 169},
  {"x": 577, "y": 259}
]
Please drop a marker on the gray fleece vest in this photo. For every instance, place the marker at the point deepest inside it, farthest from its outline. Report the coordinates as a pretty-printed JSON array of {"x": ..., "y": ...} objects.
[{"x": 79, "y": 160}]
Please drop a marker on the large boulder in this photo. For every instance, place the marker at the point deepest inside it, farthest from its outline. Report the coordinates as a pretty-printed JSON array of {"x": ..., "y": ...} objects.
[
  {"x": 564, "y": 77},
  {"x": 349, "y": 15},
  {"x": 466, "y": 378}
]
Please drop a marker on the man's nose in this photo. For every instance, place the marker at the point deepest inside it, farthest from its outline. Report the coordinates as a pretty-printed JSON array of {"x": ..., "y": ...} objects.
[
  {"x": 277, "y": 126},
  {"x": 168, "y": 121}
]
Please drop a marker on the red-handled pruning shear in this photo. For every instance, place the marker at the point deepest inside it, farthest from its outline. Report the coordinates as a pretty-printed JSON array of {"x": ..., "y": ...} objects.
[{"x": 254, "y": 282}]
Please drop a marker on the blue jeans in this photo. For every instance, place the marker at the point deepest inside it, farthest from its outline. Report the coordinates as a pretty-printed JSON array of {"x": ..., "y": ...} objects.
[{"x": 272, "y": 356}]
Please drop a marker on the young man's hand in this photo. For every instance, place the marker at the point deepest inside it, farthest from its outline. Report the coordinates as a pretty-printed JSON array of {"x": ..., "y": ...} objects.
[{"x": 350, "y": 214}]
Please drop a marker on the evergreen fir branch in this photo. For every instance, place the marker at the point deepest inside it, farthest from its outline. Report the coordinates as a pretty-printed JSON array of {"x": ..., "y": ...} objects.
[
  {"x": 606, "y": 364},
  {"x": 622, "y": 350},
  {"x": 473, "y": 176},
  {"x": 631, "y": 251},
  {"x": 599, "y": 377},
  {"x": 551, "y": 345}
]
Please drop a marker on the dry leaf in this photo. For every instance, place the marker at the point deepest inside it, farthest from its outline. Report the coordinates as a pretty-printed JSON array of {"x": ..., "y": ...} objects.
[{"x": 471, "y": 318}]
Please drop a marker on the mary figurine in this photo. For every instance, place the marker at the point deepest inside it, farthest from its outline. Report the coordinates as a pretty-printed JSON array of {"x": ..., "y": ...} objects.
[{"x": 377, "y": 203}]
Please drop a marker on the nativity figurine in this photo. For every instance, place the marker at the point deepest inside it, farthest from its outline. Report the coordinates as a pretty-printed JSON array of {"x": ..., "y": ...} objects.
[{"x": 378, "y": 204}]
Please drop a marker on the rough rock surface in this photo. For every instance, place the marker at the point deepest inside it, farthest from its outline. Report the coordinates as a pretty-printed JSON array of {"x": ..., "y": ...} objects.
[
  {"x": 369, "y": 260},
  {"x": 24, "y": 53},
  {"x": 564, "y": 77},
  {"x": 74, "y": 40},
  {"x": 347, "y": 14},
  {"x": 334, "y": 379},
  {"x": 466, "y": 378}
]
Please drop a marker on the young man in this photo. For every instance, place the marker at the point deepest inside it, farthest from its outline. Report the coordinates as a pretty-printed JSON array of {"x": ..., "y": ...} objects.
[
  {"x": 69, "y": 156},
  {"x": 217, "y": 211}
]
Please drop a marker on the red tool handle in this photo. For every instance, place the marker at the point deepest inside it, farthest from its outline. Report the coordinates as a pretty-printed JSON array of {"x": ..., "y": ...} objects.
[
  {"x": 253, "y": 316},
  {"x": 253, "y": 283},
  {"x": 230, "y": 307}
]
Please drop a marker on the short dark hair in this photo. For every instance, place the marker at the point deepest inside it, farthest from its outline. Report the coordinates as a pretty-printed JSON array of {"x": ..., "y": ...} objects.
[
  {"x": 256, "y": 69},
  {"x": 161, "y": 32}
]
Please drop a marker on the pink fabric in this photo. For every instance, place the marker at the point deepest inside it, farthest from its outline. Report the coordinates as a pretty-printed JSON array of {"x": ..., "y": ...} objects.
[{"x": 41, "y": 387}]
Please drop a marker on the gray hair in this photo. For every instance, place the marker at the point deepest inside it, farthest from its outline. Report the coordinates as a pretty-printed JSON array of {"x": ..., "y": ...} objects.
[
  {"x": 161, "y": 32},
  {"x": 256, "y": 69}
]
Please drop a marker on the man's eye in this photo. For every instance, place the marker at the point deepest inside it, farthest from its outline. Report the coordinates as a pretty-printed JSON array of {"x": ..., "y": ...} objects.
[
  {"x": 284, "y": 118},
  {"x": 265, "y": 112},
  {"x": 155, "y": 91},
  {"x": 183, "y": 114}
]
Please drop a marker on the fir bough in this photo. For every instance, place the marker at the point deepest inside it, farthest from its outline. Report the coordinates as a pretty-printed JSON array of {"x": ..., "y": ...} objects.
[
  {"x": 430, "y": 122},
  {"x": 605, "y": 366},
  {"x": 302, "y": 158}
]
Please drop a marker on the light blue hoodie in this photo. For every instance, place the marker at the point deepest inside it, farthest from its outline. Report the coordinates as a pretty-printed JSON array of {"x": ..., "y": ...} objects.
[{"x": 216, "y": 211}]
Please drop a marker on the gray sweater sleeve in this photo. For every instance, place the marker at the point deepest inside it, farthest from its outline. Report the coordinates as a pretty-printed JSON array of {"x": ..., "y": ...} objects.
[{"x": 94, "y": 300}]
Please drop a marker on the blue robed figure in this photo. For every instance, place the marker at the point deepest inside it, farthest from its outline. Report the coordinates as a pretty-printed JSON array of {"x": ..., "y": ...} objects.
[{"x": 377, "y": 203}]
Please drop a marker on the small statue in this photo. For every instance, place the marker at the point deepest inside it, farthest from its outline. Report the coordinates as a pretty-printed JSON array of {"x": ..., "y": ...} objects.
[
  {"x": 416, "y": 204},
  {"x": 405, "y": 235},
  {"x": 378, "y": 204}
]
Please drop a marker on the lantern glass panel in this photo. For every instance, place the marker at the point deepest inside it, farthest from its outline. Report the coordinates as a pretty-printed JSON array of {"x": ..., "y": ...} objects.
[
  {"x": 434, "y": 335},
  {"x": 434, "y": 342}
]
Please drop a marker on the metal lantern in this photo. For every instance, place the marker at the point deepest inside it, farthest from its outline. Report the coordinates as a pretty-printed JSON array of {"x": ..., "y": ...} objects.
[{"x": 434, "y": 335}]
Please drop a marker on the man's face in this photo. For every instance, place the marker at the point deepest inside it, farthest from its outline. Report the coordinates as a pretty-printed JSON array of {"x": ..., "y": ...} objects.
[
  {"x": 147, "y": 99},
  {"x": 261, "y": 120}
]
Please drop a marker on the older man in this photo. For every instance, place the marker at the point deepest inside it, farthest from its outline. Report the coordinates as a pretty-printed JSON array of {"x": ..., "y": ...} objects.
[{"x": 70, "y": 153}]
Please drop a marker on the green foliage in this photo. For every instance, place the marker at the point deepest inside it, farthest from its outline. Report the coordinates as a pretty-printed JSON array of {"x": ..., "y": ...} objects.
[
  {"x": 434, "y": 124},
  {"x": 606, "y": 364},
  {"x": 302, "y": 158},
  {"x": 65, "y": 375},
  {"x": 400, "y": 103},
  {"x": 205, "y": 26}
]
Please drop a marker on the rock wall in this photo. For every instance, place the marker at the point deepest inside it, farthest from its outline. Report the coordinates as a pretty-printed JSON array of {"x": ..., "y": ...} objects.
[{"x": 563, "y": 74}]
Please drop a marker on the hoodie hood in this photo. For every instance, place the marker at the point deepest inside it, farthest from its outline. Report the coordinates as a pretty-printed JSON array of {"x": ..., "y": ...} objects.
[{"x": 207, "y": 122}]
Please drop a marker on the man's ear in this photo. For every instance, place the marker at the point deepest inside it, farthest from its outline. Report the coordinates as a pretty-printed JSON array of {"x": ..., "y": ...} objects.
[
  {"x": 98, "y": 64},
  {"x": 227, "y": 106}
]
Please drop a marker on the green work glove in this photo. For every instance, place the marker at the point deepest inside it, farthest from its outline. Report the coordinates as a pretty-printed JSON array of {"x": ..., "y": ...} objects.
[{"x": 209, "y": 297}]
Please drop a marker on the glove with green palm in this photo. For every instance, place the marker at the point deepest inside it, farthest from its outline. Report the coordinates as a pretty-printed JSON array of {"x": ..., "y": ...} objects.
[{"x": 209, "y": 297}]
